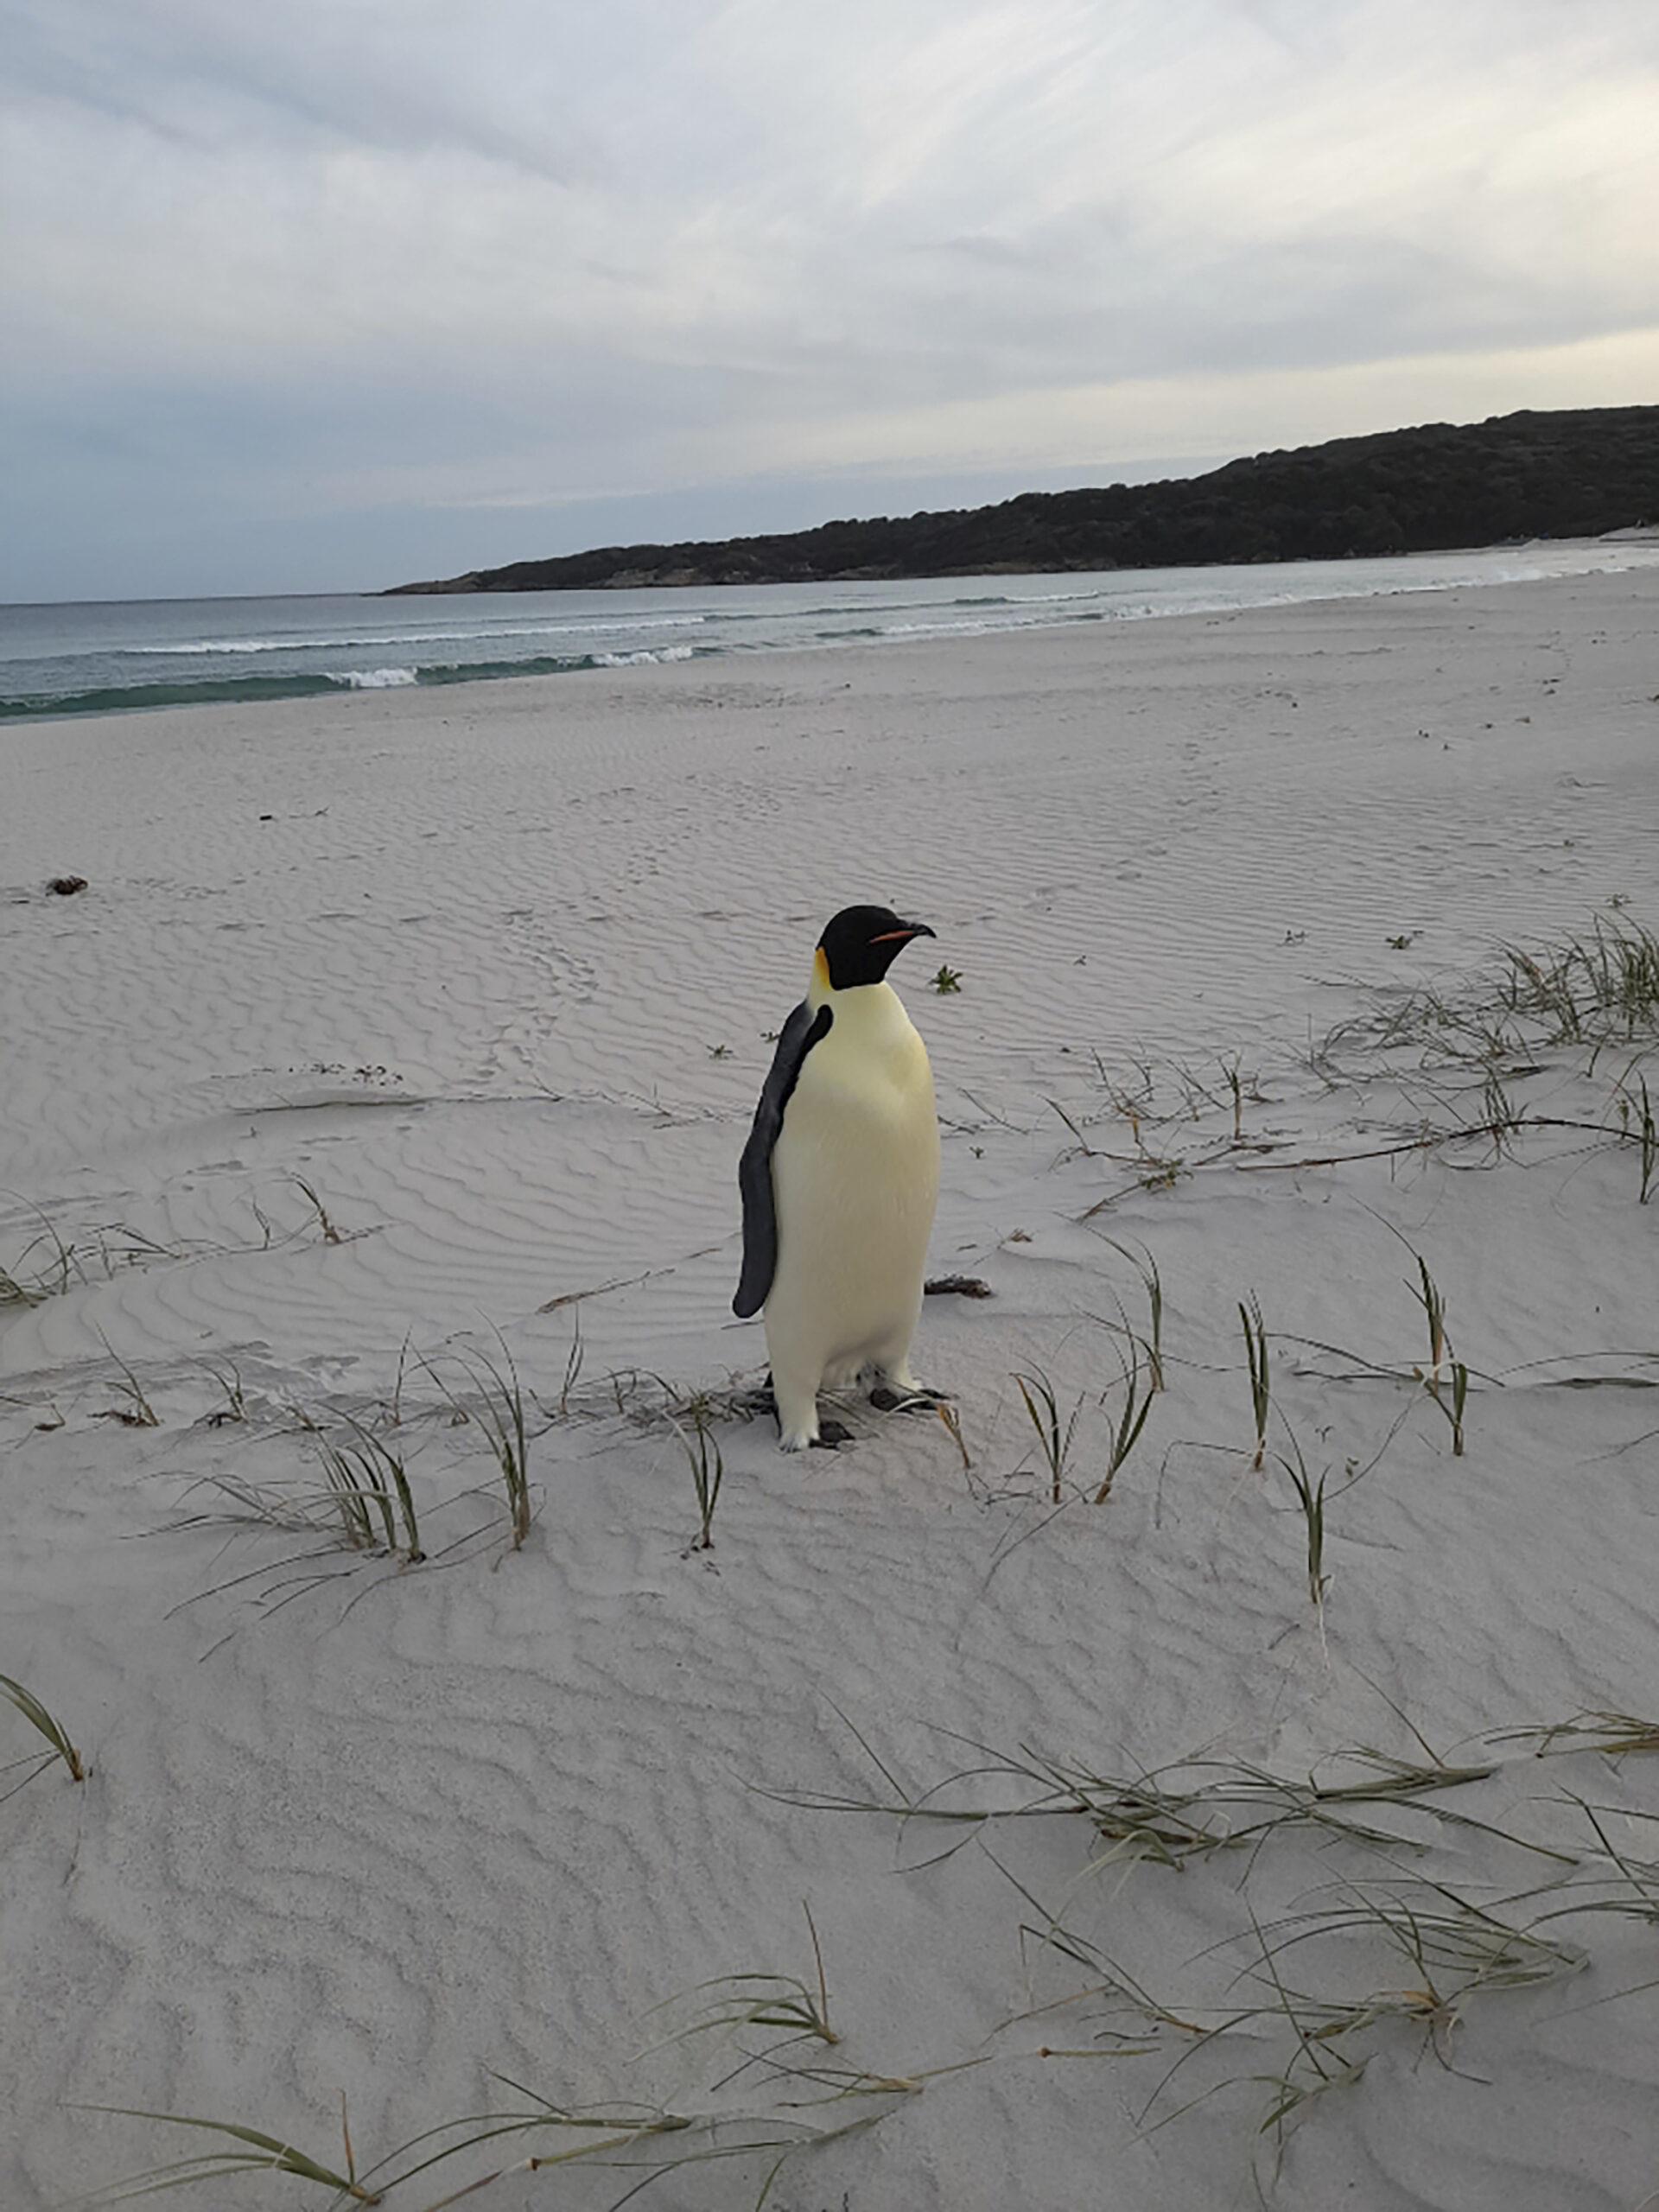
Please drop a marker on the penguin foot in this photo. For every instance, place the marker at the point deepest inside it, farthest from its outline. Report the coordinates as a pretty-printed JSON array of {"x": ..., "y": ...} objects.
[
  {"x": 831, "y": 1433},
  {"x": 919, "y": 1401}
]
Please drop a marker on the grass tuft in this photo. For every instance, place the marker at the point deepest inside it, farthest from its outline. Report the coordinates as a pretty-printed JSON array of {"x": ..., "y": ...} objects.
[
  {"x": 1255, "y": 1352},
  {"x": 1310, "y": 1497},
  {"x": 1152, "y": 1283},
  {"x": 707, "y": 1473},
  {"x": 256, "y": 2152},
  {"x": 1450, "y": 1390},
  {"x": 1053, "y": 1437},
  {"x": 368, "y": 1483},
  {"x": 329, "y": 1232},
  {"x": 45, "y": 1724},
  {"x": 1125, "y": 1431}
]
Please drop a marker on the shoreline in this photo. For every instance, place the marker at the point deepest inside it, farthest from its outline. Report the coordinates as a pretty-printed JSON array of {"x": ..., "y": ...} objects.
[{"x": 571, "y": 634}]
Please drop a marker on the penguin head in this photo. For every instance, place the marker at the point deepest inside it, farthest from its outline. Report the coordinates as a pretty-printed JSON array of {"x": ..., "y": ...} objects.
[{"x": 862, "y": 943}]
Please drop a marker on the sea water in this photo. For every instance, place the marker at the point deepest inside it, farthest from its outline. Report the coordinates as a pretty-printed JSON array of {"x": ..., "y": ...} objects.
[{"x": 97, "y": 658}]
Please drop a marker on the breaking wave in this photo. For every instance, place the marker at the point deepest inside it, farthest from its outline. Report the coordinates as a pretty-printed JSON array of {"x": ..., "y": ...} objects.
[{"x": 209, "y": 689}]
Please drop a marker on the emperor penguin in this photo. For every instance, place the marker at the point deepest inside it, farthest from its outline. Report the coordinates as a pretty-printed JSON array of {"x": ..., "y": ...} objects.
[{"x": 840, "y": 1178}]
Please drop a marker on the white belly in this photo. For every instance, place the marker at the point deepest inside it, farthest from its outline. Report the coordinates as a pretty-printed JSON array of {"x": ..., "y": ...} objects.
[{"x": 855, "y": 1174}]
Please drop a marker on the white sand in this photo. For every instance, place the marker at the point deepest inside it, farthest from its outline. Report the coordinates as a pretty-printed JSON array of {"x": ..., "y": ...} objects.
[{"x": 493, "y": 981}]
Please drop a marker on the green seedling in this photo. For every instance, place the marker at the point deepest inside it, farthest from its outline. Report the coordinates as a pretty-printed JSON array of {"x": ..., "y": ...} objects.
[
  {"x": 44, "y": 1724},
  {"x": 392, "y": 1467},
  {"x": 573, "y": 1362},
  {"x": 331, "y": 1234},
  {"x": 1450, "y": 1391},
  {"x": 1310, "y": 1497},
  {"x": 702, "y": 1454},
  {"x": 1427, "y": 1292},
  {"x": 1053, "y": 1440},
  {"x": 947, "y": 980},
  {"x": 1647, "y": 1136},
  {"x": 1235, "y": 1079},
  {"x": 1153, "y": 1343},
  {"x": 1255, "y": 1352},
  {"x": 1125, "y": 1431},
  {"x": 1454, "y": 1411},
  {"x": 500, "y": 1412}
]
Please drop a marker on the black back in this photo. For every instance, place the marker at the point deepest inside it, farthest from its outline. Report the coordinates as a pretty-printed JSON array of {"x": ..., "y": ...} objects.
[{"x": 799, "y": 1034}]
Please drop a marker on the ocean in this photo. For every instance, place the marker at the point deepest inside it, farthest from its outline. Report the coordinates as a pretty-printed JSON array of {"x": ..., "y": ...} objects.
[{"x": 104, "y": 657}]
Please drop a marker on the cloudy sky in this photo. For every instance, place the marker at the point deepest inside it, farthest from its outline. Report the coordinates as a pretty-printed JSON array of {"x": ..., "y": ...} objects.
[{"x": 327, "y": 294}]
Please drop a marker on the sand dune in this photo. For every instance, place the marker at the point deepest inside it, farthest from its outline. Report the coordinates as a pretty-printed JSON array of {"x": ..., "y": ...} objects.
[{"x": 401, "y": 1034}]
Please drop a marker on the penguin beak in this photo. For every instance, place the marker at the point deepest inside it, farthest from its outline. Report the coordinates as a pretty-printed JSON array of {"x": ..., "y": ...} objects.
[{"x": 904, "y": 935}]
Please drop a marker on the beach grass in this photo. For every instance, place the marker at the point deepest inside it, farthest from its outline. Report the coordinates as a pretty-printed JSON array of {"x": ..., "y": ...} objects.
[
  {"x": 1594, "y": 990},
  {"x": 1257, "y": 1359},
  {"x": 1309, "y": 1499},
  {"x": 498, "y": 1408},
  {"x": 707, "y": 1465},
  {"x": 47, "y": 1725},
  {"x": 254, "y": 2152},
  {"x": 368, "y": 1484},
  {"x": 1123, "y": 1433},
  {"x": 1054, "y": 1434},
  {"x": 803, "y": 2107},
  {"x": 798, "y": 2007},
  {"x": 138, "y": 1412},
  {"x": 1151, "y": 1285}
]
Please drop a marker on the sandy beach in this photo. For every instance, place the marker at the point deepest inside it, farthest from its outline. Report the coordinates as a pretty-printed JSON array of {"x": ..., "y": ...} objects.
[{"x": 395, "y": 1060}]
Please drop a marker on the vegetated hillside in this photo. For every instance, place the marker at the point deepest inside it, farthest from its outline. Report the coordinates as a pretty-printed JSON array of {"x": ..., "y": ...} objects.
[{"x": 1573, "y": 473}]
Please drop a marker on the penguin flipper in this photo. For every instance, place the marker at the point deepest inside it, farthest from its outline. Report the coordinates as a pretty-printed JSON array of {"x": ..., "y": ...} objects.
[{"x": 800, "y": 1033}]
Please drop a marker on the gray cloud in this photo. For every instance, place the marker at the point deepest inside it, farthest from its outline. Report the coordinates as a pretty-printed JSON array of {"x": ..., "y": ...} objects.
[{"x": 372, "y": 265}]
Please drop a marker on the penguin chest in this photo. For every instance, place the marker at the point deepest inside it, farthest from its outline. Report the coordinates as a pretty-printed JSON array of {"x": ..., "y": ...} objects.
[{"x": 855, "y": 1174}]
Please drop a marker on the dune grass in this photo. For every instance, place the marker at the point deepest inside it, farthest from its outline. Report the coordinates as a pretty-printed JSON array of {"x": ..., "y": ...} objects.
[
  {"x": 1446, "y": 1378},
  {"x": 1322, "y": 1985},
  {"x": 1310, "y": 1498},
  {"x": 45, "y": 1724},
  {"x": 1176, "y": 1814},
  {"x": 368, "y": 1486},
  {"x": 1151, "y": 1285},
  {"x": 708, "y": 1464},
  {"x": 1054, "y": 1435},
  {"x": 254, "y": 2152},
  {"x": 1595, "y": 991},
  {"x": 1123, "y": 1433},
  {"x": 794, "y": 2101},
  {"x": 136, "y": 1411},
  {"x": 498, "y": 1408},
  {"x": 1257, "y": 1357},
  {"x": 762, "y": 2001}
]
